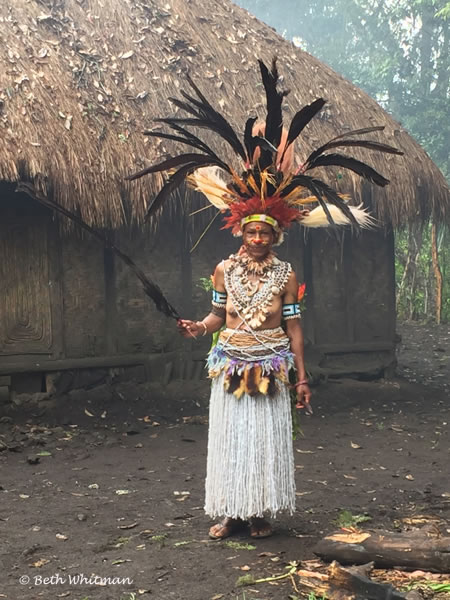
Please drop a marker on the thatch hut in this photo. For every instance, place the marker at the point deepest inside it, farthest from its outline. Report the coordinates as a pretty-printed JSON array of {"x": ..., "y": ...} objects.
[{"x": 79, "y": 82}]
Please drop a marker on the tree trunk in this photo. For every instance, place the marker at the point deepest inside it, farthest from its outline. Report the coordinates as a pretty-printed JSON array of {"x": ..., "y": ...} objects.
[
  {"x": 437, "y": 272},
  {"x": 408, "y": 281},
  {"x": 410, "y": 550}
]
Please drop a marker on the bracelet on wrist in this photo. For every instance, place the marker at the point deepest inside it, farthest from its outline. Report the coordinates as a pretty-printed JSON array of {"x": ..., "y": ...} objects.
[
  {"x": 302, "y": 382},
  {"x": 205, "y": 327}
]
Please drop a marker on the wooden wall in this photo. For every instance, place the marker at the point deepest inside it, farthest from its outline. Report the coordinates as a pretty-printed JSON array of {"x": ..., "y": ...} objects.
[
  {"x": 30, "y": 299},
  {"x": 351, "y": 286}
]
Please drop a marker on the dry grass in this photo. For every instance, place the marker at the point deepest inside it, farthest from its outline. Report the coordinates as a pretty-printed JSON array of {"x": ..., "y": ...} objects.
[{"x": 81, "y": 79}]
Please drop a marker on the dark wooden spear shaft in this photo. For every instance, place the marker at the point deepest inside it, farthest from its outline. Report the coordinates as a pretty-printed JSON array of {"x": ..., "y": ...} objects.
[{"x": 150, "y": 287}]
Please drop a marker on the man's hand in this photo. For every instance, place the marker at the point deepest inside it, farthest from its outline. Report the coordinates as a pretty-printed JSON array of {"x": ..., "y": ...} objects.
[
  {"x": 304, "y": 398},
  {"x": 188, "y": 328}
]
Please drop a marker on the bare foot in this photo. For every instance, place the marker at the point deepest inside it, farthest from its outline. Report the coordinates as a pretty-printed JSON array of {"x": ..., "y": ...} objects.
[
  {"x": 260, "y": 528},
  {"x": 226, "y": 528}
]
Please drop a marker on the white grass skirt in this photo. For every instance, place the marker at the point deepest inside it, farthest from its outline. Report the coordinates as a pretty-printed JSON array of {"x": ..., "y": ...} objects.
[{"x": 250, "y": 467}]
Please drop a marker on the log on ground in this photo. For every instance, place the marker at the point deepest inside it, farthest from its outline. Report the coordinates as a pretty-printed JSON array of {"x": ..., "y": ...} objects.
[{"x": 417, "y": 549}]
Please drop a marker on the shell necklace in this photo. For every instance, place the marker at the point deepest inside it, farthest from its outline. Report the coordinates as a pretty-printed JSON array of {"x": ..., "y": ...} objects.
[{"x": 252, "y": 298}]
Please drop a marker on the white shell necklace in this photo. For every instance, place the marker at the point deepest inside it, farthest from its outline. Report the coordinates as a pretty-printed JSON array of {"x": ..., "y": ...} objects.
[{"x": 251, "y": 299}]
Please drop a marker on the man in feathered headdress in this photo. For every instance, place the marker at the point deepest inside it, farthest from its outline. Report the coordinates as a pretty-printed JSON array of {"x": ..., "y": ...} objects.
[{"x": 250, "y": 467}]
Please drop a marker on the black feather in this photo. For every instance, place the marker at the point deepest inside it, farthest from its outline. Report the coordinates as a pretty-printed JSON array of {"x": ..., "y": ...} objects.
[
  {"x": 190, "y": 140},
  {"x": 150, "y": 287},
  {"x": 177, "y": 138},
  {"x": 197, "y": 91},
  {"x": 263, "y": 143},
  {"x": 346, "y": 162},
  {"x": 174, "y": 181},
  {"x": 359, "y": 132},
  {"x": 185, "y": 105},
  {"x": 215, "y": 121},
  {"x": 249, "y": 139},
  {"x": 171, "y": 163},
  {"x": 369, "y": 144},
  {"x": 274, "y": 99},
  {"x": 302, "y": 118},
  {"x": 320, "y": 189},
  {"x": 333, "y": 198},
  {"x": 311, "y": 184}
]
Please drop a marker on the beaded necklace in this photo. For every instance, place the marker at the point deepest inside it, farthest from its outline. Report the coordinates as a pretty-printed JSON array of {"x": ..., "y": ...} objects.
[{"x": 252, "y": 299}]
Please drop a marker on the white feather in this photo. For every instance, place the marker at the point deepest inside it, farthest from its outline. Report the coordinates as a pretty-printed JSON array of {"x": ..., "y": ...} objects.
[
  {"x": 208, "y": 181},
  {"x": 318, "y": 218}
]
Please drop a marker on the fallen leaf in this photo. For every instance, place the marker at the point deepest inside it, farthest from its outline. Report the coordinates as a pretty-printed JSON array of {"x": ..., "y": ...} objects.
[
  {"x": 355, "y": 446},
  {"x": 40, "y": 563},
  {"x": 146, "y": 532},
  {"x": 120, "y": 561},
  {"x": 128, "y": 54},
  {"x": 397, "y": 428},
  {"x": 349, "y": 538},
  {"x": 61, "y": 536},
  {"x": 130, "y": 526}
]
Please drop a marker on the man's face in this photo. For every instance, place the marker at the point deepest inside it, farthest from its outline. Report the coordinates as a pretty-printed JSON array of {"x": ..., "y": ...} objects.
[{"x": 258, "y": 238}]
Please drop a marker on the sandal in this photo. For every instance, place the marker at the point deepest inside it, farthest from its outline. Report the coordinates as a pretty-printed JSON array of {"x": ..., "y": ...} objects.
[
  {"x": 227, "y": 527},
  {"x": 260, "y": 528}
]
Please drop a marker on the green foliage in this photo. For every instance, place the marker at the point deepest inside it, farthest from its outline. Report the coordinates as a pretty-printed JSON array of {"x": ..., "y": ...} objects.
[
  {"x": 205, "y": 283},
  {"x": 416, "y": 298},
  {"x": 245, "y": 580},
  {"x": 398, "y": 52},
  {"x": 239, "y": 546},
  {"x": 159, "y": 539},
  {"x": 346, "y": 519}
]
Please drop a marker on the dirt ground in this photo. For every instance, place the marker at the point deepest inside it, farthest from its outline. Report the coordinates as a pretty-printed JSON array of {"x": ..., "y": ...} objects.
[{"x": 108, "y": 482}]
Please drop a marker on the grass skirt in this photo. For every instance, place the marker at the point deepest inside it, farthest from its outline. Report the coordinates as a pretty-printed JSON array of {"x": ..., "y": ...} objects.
[{"x": 250, "y": 467}]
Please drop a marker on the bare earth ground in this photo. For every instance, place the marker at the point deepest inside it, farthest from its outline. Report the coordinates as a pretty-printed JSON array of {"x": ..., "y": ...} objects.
[{"x": 117, "y": 491}]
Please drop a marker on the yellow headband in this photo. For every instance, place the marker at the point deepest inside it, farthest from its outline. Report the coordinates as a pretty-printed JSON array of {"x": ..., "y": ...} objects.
[{"x": 262, "y": 218}]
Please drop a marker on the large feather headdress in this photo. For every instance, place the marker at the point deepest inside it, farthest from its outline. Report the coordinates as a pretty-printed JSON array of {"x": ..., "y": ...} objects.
[{"x": 269, "y": 183}]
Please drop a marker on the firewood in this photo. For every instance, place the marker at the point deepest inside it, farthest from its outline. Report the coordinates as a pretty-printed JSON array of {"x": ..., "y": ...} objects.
[
  {"x": 417, "y": 549},
  {"x": 345, "y": 584}
]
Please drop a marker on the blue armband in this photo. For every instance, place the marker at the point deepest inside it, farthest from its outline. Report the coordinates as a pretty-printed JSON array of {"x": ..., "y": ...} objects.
[
  {"x": 219, "y": 299},
  {"x": 291, "y": 311}
]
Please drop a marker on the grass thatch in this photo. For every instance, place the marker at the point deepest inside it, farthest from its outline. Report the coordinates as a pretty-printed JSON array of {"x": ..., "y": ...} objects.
[{"x": 81, "y": 79}]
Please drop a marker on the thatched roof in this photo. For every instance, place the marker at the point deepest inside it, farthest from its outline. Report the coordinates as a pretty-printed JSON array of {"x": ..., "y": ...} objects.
[{"x": 81, "y": 79}]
